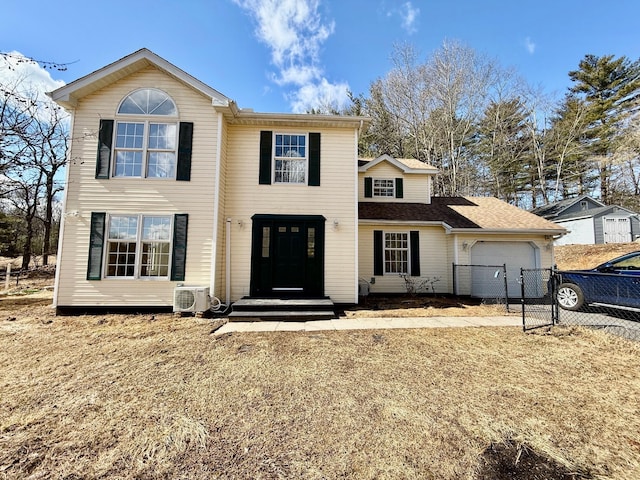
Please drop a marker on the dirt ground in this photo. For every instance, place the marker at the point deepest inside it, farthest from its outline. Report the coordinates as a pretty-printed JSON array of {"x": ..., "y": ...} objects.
[
  {"x": 156, "y": 397},
  {"x": 580, "y": 257}
]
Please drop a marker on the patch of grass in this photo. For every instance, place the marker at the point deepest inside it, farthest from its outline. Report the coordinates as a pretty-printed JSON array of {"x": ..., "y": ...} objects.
[
  {"x": 581, "y": 257},
  {"x": 142, "y": 396}
]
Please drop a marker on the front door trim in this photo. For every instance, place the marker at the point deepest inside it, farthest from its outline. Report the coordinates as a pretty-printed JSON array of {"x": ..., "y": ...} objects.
[{"x": 307, "y": 261}]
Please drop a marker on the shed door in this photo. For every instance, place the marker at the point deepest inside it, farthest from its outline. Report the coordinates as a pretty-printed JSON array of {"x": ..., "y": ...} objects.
[
  {"x": 516, "y": 255},
  {"x": 617, "y": 229}
]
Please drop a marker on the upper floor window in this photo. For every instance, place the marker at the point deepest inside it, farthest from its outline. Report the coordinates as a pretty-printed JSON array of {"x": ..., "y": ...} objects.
[
  {"x": 290, "y": 158},
  {"x": 146, "y": 147},
  {"x": 383, "y": 187}
]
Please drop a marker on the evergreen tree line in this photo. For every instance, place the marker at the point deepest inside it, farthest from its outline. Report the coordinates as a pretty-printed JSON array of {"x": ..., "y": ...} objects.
[{"x": 490, "y": 133}]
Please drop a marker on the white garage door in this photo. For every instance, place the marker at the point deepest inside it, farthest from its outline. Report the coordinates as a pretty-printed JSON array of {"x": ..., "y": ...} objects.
[{"x": 485, "y": 282}]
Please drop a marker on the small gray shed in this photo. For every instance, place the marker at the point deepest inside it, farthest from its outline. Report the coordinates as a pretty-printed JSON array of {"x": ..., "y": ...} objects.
[{"x": 589, "y": 221}]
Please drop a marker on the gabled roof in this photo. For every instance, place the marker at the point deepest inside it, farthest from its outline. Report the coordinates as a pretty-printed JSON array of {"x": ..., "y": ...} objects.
[
  {"x": 69, "y": 95},
  {"x": 553, "y": 210},
  {"x": 480, "y": 214},
  {"x": 495, "y": 215},
  {"x": 407, "y": 165},
  {"x": 593, "y": 212}
]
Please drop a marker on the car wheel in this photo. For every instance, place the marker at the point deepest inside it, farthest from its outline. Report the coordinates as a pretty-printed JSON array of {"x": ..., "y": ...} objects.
[{"x": 570, "y": 296}]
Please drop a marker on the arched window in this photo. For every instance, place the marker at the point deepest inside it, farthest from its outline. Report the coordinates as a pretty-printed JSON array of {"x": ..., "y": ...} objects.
[
  {"x": 146, "y": 147},
  {"x": 148, "y": 101}
]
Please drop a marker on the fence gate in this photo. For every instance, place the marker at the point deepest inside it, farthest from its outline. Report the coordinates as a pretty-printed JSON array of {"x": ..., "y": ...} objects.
[{"x": 539, "y": 302}]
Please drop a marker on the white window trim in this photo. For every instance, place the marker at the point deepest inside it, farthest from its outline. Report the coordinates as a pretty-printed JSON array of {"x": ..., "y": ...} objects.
[
  {"x": 138, "y": 252},
  {"x": 147, "y": 121},
  {"x": 274, "y": 158},
  {"x": 384, "y": 249},
  {"x": 386, "y": 179}
]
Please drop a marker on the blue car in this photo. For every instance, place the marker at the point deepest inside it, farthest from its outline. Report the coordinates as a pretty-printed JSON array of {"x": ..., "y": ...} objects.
[{"x": 615, "y": 283}]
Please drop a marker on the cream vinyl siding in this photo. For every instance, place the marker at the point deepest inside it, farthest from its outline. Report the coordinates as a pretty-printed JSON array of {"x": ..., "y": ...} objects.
[
  {"x": 85, "y": 194},
  {"x": 415, "y": 186},
  {"x": 334, "y": 199},
  {"x": 433, "y": 259}
]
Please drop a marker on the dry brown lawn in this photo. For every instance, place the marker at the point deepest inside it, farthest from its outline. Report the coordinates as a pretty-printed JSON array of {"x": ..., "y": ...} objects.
[
  {"x": 157, "y": 396},
  {"x": 578, "y": 257}
]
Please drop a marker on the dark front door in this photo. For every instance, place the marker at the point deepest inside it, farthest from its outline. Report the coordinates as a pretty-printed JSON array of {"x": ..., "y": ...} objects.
[{"x": 287, "y": 256}]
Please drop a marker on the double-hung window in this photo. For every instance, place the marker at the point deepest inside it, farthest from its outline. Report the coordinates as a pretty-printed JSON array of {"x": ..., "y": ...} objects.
[
  {"x": 146, "y": 140},
  {"x": 396, "y": 253},
  {"x": 384, "y": 187},
  {"x": 290, "y": 158},
  {"x": 138, "y": 246}
]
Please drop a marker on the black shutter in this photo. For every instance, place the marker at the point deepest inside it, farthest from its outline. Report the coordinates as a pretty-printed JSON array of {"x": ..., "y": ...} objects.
[
  {"x": 414, "y": 246},
  {"x": 314, "y": 159},
  {"x": 96, "y": 243},
  {"x": 399, "y": 191},
  {"x": 378, "y": 260},
  {"x": 266, "y": 142},
  {"x": 368, "y": 187},
  {"x": 185, "y": 142},
  {"x": 105, "y": 139},
  {"x": 179, "y": 257}
]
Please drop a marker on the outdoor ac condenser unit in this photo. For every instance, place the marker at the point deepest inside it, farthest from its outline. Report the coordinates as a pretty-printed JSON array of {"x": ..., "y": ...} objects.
[{"x": 191, "y": 299}]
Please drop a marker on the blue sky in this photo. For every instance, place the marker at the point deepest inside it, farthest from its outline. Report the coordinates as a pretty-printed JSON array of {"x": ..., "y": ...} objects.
[{"x": 283, "y": 55}]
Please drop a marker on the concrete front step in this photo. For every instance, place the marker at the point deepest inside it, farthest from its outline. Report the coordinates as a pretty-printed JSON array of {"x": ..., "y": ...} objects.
[
  {"x": 290, "y": 309},
  {"x": 285, "y": 304},
  {"x": 280, "y": 315}
]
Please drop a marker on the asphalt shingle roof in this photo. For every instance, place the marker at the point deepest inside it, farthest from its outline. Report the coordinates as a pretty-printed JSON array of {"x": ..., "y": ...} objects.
[{"x": 459, "y": 212}]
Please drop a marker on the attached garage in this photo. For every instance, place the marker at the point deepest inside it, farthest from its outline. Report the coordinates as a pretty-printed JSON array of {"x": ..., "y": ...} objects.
[{"x": 485, "y": 282}]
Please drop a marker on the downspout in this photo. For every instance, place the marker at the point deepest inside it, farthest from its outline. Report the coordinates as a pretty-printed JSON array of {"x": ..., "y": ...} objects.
[
  {"x": 357, "y": 228},
  {"x": 216, "y": 210},
  {"x": 227, "y": 282},
  {"x": 455, "y": 262}
]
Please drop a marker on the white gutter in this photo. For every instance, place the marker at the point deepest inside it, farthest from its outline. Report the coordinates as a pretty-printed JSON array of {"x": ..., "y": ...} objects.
[
  {"x": 227, "y": 282},
  {"x": 513, "y": 231},
  {"x": 418, "y": 223},
  {"x": 216, "y": 210},
  {"x": 357, "y": 222}
]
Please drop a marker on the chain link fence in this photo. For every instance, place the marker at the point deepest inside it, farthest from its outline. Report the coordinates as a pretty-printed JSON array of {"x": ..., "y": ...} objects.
[
  {"x": 608, "y": 301},
  {"x": 539, "y": 298},
  {"x": 489, "y": 283}
]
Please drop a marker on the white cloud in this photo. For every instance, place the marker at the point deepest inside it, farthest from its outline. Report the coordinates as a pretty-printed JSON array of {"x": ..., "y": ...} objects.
[
  {"x": 25, "y": 76},
  {"x": 295, "y": 31},
  {"x": 22, "y": 77},
  {"x": 321, "y": 95},
  {"x": 530, "y": 45},
  {"x": 409, "y": 15}
]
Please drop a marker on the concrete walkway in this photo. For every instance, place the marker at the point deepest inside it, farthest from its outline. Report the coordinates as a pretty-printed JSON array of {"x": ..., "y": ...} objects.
[{"x": 371, "y": 323}]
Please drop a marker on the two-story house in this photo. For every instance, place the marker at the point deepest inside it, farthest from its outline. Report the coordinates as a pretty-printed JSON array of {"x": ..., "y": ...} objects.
[{"x": 169, "y": 183}]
